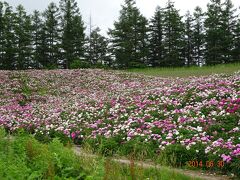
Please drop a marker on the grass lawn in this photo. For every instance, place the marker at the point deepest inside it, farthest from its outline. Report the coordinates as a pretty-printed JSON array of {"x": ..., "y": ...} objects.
[{"x": 188, "y": 71}]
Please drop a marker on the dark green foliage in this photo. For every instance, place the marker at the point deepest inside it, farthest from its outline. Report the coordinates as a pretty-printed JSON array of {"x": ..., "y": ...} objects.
[
  {"x": 2, "y": 41},
  {"x": 220, "y": 24},
  {"x": 23, "y": 33},
  {"x": 129, "y": 36},
  {"x": 189, "y": 41},
  {"x": 97, "y": 48},
  {"x": 138, "y": 149},
  {"x": 79, "y": 36},
  {"x": 156, "y": 48},
  {"x": 173, "y": 37},
  {"x": 38, "y": 40},
  {"x": 51, "y": 35},
  {"x": 227, "y": 28},
  {"x": 213, "y": 33},
  {"x": 10, "y": 40},
  {"x": 80, "y": 64},
  {"x": 73, "y": 36},
  {"x": 236, "y": 48},
  {"x": 198, "y": 36}
]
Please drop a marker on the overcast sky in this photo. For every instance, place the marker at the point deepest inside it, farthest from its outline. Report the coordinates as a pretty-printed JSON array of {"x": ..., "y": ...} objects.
[{"x": 105, "y": 12}]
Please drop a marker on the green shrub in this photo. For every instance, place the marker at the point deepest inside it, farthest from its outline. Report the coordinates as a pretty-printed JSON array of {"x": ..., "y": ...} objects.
[
  {"x": 177, "y": 155},
  {"x": 99, "y": 66},
  {"x": 137, "y": 65},
  {"x": 138, "y": 149},
  {"x": 80, "y": 64},
  {"x": 108, "y": 146},
  {"x": 24, "y": 157},
  {"x": 51, "y": 66}
]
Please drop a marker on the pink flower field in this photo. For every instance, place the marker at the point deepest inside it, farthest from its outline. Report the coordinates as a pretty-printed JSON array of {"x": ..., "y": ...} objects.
[{"x": 202, "y": 114}]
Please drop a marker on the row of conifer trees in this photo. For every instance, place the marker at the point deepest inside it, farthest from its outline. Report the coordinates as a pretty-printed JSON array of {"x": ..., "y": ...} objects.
[{"x": 58, "y": 36}]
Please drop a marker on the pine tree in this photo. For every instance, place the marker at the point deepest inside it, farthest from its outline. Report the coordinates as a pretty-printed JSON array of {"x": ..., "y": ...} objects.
[
  {"x": 189, "y": 48},
  {"x": 37, "y": 25},
  {"x": 122, "y": 44},
  {"x": 73, "y": 31},
  {"x": 23, "y": 33},
  {"x": 78, "y": 38},
  {"x": 173, "y": 37},
  {"x": 43, "y": 49},
  {"x": 98, "y": 48},
  {"x": 156, "y": 48},
  {"x": 228, "y": 22},
  {"x": 129, "y": 36},
  {"x": 198, "y": 36},
  {"x": 51, "y": 35},
  {"x": 9, "y": 37},
  {"x": 2, "y": 41},
  {"x": 213, "y": 33},
  {"x": 143, "y": 41},
  {"x": 236, "y": 48}
]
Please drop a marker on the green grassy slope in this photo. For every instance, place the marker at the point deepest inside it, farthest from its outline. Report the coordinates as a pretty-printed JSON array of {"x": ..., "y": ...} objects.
[{"x": 188, "y": 71}]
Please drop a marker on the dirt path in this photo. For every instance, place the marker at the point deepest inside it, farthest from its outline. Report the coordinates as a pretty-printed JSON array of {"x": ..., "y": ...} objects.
[{"x": 190, "y": 173}]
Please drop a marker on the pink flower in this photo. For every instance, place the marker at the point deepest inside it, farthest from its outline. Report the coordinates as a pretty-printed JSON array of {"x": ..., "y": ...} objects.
[
  {"x": 73, "y": 135},
  {"x": 236, "y": 152},
  {"x": 139, "y": 130},
  {"x": 66, "y": 132},
  {"x": 204, "y": 138},
  {"x": 226, "y": 158}
]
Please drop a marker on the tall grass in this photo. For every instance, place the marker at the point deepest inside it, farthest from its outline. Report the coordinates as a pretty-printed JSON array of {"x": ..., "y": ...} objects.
[
  {"x": 108, "y": 169},
  {"x": 188, "y": 71},
  {"x": 23, "y": 157}
]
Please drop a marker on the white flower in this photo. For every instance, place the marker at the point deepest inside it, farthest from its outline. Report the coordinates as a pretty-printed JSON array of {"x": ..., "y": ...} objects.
[
  {"x": 199, "y": 129},
  {"x": 187, "y": 147}
]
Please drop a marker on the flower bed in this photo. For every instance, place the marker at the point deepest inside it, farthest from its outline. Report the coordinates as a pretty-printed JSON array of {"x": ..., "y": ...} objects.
[{"x": 200, "y": 114}]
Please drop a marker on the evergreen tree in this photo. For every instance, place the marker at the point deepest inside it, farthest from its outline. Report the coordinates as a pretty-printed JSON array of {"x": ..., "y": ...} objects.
[
  {"x": 173, "y": 37},
  {"x": 129, "y": 36},
  {"x": 10, "y": 48},
  {"x": 236, "y": 48},
  {"x": 36, "y": 42},
  {"x": 156, "y": 48},
  {"x": 198, "y": 36},
  {"x": 189, "y": 48},
  {"x": 228, "y": 23},
  {"x": 213, "y": 33},
  {"x": 51, "y": 35},
  {"x": 97, "y": 47},
  {"x": 37, "y": 29},
  {"x": 2, "y": 40},
  {"x": 23, "y": 34},
  {"x": 73, "y": 31},
  {"x": 78, "y": 41},
  {"x": 143, "y": 41},
  {"x": 43, "y": 49}
]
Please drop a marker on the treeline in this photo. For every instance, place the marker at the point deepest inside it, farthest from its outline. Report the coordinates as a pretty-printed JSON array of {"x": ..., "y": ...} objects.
[{"x": 56, "y": 37}]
